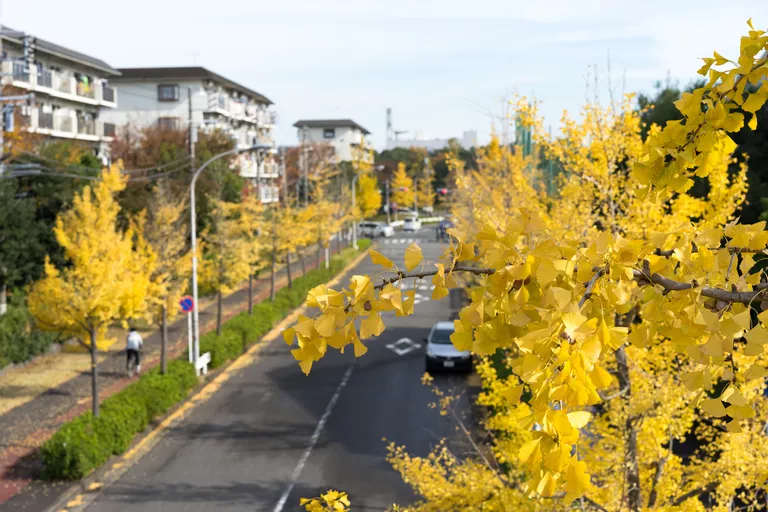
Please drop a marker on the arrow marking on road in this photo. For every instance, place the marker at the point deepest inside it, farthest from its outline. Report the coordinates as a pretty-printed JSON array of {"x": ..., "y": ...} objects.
[{"x": 403, "y": 346}]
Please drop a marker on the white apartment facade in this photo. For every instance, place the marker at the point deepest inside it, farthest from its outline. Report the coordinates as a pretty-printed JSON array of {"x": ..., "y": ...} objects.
[
  {"x": 165, "y": 96},
  {"x": 348, "y": 139},
  {"x": 71, "y": 90}
]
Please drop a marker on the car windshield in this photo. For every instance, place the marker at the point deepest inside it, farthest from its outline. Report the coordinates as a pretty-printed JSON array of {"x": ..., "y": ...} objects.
[{"x": 442, "y": 336}]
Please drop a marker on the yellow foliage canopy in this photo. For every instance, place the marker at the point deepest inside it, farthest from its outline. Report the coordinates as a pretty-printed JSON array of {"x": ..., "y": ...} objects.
[{"x": 109, "y": 270}]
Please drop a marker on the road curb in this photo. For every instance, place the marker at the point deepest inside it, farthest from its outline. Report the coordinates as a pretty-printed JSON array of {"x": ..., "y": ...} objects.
[{"x": 82, "y": 494}]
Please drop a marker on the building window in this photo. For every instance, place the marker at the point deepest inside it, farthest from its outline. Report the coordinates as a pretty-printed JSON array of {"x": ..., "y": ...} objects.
[
  {"x": 168, "y": 92},
  {"x": 329, "y": 133},
  {"x": 168, "y": 123}
]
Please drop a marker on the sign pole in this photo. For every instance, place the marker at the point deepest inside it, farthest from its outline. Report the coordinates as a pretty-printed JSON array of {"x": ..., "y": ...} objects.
[{"x": 190, "y": 338}]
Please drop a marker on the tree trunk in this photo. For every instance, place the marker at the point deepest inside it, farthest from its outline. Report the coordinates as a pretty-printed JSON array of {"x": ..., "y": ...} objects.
[
  {"x": 288, "y": 269},
  {"x": 218, "y": 312},
  {"x": 338, "y": 243},
  {"x": 250, "y": 294},
  {"x": 319, "y": 253},
  {"x": 164, "y": 341},
  {"x": 272, "y": 277},
  {"x": 634, "y": 499},
  {"x": 303, "y": 263},
  {"x": 94, "y": 375}
]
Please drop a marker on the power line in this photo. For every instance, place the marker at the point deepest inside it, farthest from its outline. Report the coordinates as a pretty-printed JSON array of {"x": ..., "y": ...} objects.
[
  {"x": 181, "y": 161},
  {"x": 45, "y": 171}
]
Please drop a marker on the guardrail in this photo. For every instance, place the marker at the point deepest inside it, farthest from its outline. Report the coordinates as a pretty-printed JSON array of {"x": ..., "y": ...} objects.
[{"x": 424, "y": 220}]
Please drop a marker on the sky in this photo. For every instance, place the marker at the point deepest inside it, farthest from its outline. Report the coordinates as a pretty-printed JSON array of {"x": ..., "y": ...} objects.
[{"x": 442, "y": 66}]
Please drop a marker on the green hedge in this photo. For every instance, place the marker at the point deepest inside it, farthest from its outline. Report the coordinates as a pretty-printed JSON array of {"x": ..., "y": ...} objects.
[
  {"x": 20, "y": 340},
  {"x": 86, "y": 442}
]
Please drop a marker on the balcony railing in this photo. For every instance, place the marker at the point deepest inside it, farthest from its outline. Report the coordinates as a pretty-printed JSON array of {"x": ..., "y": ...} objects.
[
  {"x": 45, "y": 78},
  {"x": 86, "y": 90},
  {"x": 45, "y": 120},
  {"x": 108, "y": 94},
  {"x": 86, "y": 127},
  {"x": 20, "y": 72},
  {"x": 63, "y": 124},
  {"x": 64, "y": 84}
]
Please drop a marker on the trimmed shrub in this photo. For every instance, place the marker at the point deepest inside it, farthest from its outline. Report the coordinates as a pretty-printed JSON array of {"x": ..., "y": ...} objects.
[
  {"x": 20, "y": 340},
  {"x": 86, "y": 442},
  {"x": 222, "y": 347}
]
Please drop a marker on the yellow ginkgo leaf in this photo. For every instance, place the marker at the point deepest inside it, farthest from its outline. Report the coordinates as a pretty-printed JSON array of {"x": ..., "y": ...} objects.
[
  {"x": 413, "y": 257},
  {"x": 379, "y": 259},
  {"x": 288, "y": 336},
  {"x": 371, "y": 325},
  {"x": 579, "y": 419},
  {"x": 713, "y": 407},
  {"x": 513, "y": 394}
]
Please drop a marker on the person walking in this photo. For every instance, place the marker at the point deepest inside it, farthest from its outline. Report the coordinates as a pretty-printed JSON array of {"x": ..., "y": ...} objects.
[{"x": 133, "y": 349}]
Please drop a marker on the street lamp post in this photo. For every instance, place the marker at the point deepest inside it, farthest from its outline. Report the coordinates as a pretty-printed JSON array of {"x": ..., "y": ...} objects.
[
  {"x": 193, "y": 240},
  {"x": 354, "y": 212}
]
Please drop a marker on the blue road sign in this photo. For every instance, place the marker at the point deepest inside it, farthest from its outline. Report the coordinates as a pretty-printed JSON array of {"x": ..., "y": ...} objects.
[{"x": 187, "y": 304}]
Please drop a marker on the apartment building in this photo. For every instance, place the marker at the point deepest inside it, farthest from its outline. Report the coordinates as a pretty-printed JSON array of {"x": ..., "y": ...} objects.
[
  {"x": 347, "y": 138},
  {"x": 71, "y": 89},
  {"x": 175, "y": 96}
]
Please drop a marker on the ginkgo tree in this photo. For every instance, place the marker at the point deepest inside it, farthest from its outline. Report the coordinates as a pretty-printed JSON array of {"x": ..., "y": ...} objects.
[
  {"x": 163, "y": 225},
  {"x": 227, "y": 254},
  {"x": 402, "y": 191},
  {"x": 643, "y": 411},
  {"x": 368, "y": 195},
  {"x": 570, "y": 307},
  {"x": 251, "y": 224},
  {"x": 108, "y": 276}
]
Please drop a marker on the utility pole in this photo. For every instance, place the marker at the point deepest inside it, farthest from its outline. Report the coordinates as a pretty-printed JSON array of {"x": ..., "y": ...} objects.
[
  {"x": 192, "y": 131},
  {"x": 281, "y": 152},
  {"x": 389, "y": 206},
  {"x": 305, "y": 165}
]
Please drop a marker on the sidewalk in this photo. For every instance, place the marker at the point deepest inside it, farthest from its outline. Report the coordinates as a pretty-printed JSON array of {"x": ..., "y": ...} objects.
[{"x": 26, "y": 427}]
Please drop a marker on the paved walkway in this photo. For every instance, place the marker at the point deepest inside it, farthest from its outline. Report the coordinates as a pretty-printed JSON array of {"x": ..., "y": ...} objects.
[{"x": 25, "y": 428}]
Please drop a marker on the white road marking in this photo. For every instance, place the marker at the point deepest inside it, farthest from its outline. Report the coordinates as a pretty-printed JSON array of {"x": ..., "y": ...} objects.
[
  {"x": 312, "y": 442},
  {"x": 403, "y": 346},
  {"x": 410, "y": 240}
]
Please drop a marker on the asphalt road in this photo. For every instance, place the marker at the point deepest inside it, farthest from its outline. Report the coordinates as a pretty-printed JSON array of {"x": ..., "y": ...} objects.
[{"x": 272, "y": 435}]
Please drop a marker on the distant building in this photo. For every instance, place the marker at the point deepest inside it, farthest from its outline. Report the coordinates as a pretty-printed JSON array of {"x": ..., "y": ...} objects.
[
  {"x": 70, "y": 88},
  {"x": 160, "y": 96},
  {"x": 468, "y": 140},
  {"x": 347, "y": 138}
]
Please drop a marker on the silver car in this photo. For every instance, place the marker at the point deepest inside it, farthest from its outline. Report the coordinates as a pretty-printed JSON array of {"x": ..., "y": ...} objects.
[
  {"x": 375, "y": 229},
  {"x": 441, "y": 354}
]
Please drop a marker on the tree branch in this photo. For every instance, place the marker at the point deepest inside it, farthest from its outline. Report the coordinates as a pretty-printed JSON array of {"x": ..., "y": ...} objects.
[
  {"x": 690, "y": 494},
  {"x": 421, "y": 275},
  {"x": 591, "y": 284},
  {"x": 671, "y": 285},
  {"x": 732, "y": 250},
  {"x": 657, "y": 475}
]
